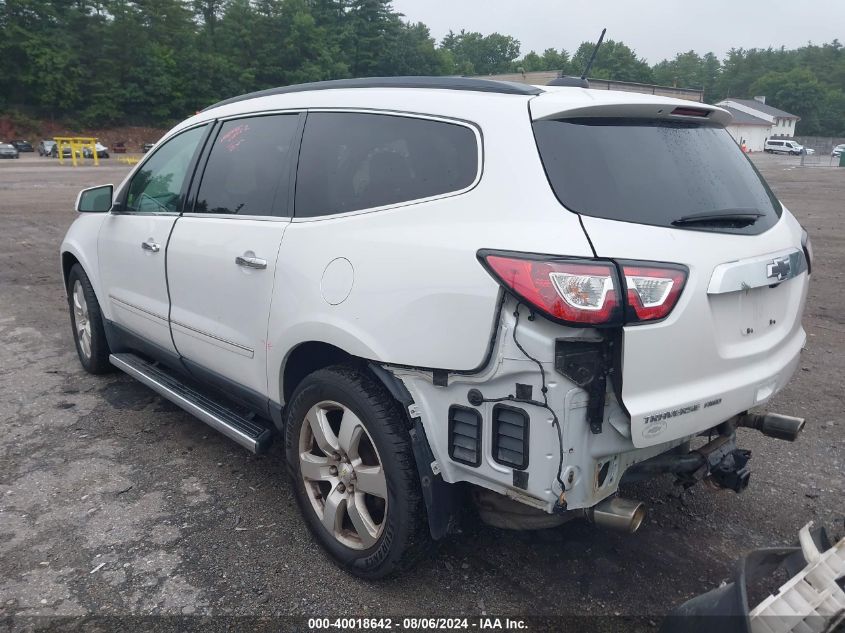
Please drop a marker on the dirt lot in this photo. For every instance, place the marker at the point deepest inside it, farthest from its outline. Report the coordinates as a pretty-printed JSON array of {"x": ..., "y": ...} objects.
[{"x": 113, "y": 501}]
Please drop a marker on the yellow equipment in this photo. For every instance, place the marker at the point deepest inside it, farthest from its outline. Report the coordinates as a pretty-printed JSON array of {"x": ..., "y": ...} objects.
[{"x": 76, "y": 144}]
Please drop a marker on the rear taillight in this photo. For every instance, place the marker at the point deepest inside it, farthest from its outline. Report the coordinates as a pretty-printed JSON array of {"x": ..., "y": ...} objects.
[
  {"x": 587, "y": 292},
  {"x": 577, "y": 292},
  {"x": 653, "y": 290}
]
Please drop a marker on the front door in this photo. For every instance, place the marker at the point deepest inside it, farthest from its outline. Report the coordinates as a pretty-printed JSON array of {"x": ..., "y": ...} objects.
[
  {"x": 221, "y": 260},
  {"x": 133, "y": 240}
]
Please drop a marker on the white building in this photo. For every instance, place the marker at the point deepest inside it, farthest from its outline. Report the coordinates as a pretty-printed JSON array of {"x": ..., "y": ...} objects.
[
  {"x": 748, "y": 129},
  {"x": 755, "y": 121}
]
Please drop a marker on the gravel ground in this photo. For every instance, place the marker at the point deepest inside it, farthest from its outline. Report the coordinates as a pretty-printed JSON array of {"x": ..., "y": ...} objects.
[{"x": 115, "y": 502}]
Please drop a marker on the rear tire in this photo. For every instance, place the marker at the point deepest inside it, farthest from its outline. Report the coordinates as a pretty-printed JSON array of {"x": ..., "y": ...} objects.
[
  {"x": 354, "y": 476},
  {"x": 87, "y": 322}
]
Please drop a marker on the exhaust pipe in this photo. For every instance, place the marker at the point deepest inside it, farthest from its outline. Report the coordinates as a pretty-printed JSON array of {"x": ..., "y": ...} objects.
[
  {"x": 782, "y": 427},
  {"x": 619, "y": 514}
]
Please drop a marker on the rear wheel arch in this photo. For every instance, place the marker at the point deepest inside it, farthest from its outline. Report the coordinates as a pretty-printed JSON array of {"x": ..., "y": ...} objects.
[
  {"x": 442, "y": 500},
  {"x": 311, "y": 356},
  {"x": 305, "y": 359}
]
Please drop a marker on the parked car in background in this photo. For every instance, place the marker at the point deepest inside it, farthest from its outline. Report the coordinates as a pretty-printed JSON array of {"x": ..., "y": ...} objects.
[
  {"x": 102, "y": 151},
  {"x": 7, "y": 150},
  {"x": 783, "y": 146},
  {"x": 146, "y": 147},
  {"x": 45, "y": 147},
  {"x": 65, "y": 152},
  {"x": 838, "y": 150},
  {"x": 21, "y": 145},
  {"x": 119, "y": 147}
]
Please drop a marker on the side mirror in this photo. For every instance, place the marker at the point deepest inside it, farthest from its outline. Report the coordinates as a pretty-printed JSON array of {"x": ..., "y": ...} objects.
[{"x": 95, "y": 199}]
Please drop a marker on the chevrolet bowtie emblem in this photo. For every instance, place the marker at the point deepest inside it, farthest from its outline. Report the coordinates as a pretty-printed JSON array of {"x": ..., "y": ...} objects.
[{"x": 779, "y": 268}]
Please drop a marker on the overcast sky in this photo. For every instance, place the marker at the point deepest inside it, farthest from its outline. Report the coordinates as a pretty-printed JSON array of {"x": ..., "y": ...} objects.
[{"x": 655, "y": 29}]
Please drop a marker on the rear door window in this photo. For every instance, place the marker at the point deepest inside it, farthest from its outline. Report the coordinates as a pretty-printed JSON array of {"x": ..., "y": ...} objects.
[
  {"x": 353, "y": 161},
  {"x": 248, "y": 169},
  {"x": 653, "y": 172}
]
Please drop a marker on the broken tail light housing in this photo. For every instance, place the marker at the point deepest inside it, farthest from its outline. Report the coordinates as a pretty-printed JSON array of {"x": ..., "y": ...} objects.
[
  {"x": 576, "y": 292},
  {"x": 587, "y": 292}
]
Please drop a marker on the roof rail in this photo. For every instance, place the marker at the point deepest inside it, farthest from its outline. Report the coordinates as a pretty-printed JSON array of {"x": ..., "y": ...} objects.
[{"x": 440, "y": 83}]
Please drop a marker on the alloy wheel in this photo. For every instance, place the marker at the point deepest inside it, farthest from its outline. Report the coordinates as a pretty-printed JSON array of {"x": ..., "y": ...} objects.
[
  {"x": 343, "y": 475},
  {"x": 80, "y": 319}
]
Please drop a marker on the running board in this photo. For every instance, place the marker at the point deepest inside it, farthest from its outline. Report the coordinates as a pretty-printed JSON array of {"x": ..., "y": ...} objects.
[{"x": 249, "y": 434}]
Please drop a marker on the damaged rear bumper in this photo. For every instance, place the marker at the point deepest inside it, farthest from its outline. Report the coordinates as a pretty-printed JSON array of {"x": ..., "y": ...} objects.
[{"x": 811, "y": 601}]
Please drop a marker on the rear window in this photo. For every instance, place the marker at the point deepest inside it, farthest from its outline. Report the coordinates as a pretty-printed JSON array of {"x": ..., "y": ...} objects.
[
  {"x": 653, "y": 172},
  {"x": 352, "y": 161}
]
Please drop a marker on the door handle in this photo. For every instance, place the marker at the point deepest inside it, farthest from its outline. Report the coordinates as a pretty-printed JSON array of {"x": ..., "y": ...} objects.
[
  {"x": 250, "y": 261},
  {"x": 151, "y": 246}
]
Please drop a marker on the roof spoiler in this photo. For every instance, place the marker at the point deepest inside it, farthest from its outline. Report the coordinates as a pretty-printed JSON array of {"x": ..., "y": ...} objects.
[{"x": 658, "y": 109}]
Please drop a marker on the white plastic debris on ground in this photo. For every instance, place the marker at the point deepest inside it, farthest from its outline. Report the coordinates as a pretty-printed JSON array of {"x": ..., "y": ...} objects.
[{"x": 811, "y": 601}]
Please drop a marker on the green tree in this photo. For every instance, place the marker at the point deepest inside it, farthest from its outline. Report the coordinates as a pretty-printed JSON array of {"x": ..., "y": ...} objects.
[
  {"x": 39, "y": 62},
  {"x": 411, "y": 51},
  {"x": 797, "y": 91},
  {"x": 372, "y": 25},
  {"x": 614, "y": 61},
  {"x": 532, "y": 62},
  {"x": 712, "y": 68},
  {"x": 554, "y": 60},
  {"x": 550, "y": 60},
  {"x": 477, "y": 54},
  {"x": 100, "y": 62},
  {"x": 689, "y": 70},
  {"x": 685, "y": 71}
]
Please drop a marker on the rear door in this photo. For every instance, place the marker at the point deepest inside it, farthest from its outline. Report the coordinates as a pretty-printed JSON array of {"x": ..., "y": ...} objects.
[
  {"x": 133, "y": 239},
  {"x": 680, "y": 191},
  {"x": 221, "y": 260}
]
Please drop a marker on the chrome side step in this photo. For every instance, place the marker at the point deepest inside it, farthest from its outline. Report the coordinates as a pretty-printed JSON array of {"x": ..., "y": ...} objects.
[{"x": 252, "y": 436}]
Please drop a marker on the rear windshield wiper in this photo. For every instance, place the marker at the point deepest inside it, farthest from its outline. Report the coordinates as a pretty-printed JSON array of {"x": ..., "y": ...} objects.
[{"x": 741, "y": 217}]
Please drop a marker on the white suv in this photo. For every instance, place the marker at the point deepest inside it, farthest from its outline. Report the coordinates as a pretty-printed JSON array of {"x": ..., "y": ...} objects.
[{"x": 443, "y": 290}]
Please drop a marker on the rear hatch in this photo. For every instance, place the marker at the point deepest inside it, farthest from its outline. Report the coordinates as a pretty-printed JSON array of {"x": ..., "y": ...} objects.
[{"x": 662, "y": 181}]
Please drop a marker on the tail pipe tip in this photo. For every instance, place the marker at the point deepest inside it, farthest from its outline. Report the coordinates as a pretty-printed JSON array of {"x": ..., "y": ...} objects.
[
  {"x": 623, "y": 515},
  {"x": 782, "y": 427}
]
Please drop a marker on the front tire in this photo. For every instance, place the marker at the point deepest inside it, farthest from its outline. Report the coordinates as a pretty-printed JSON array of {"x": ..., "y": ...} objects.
[
  {"x": 350, "y": 459},
  {"x": 87, "y": 321}
]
